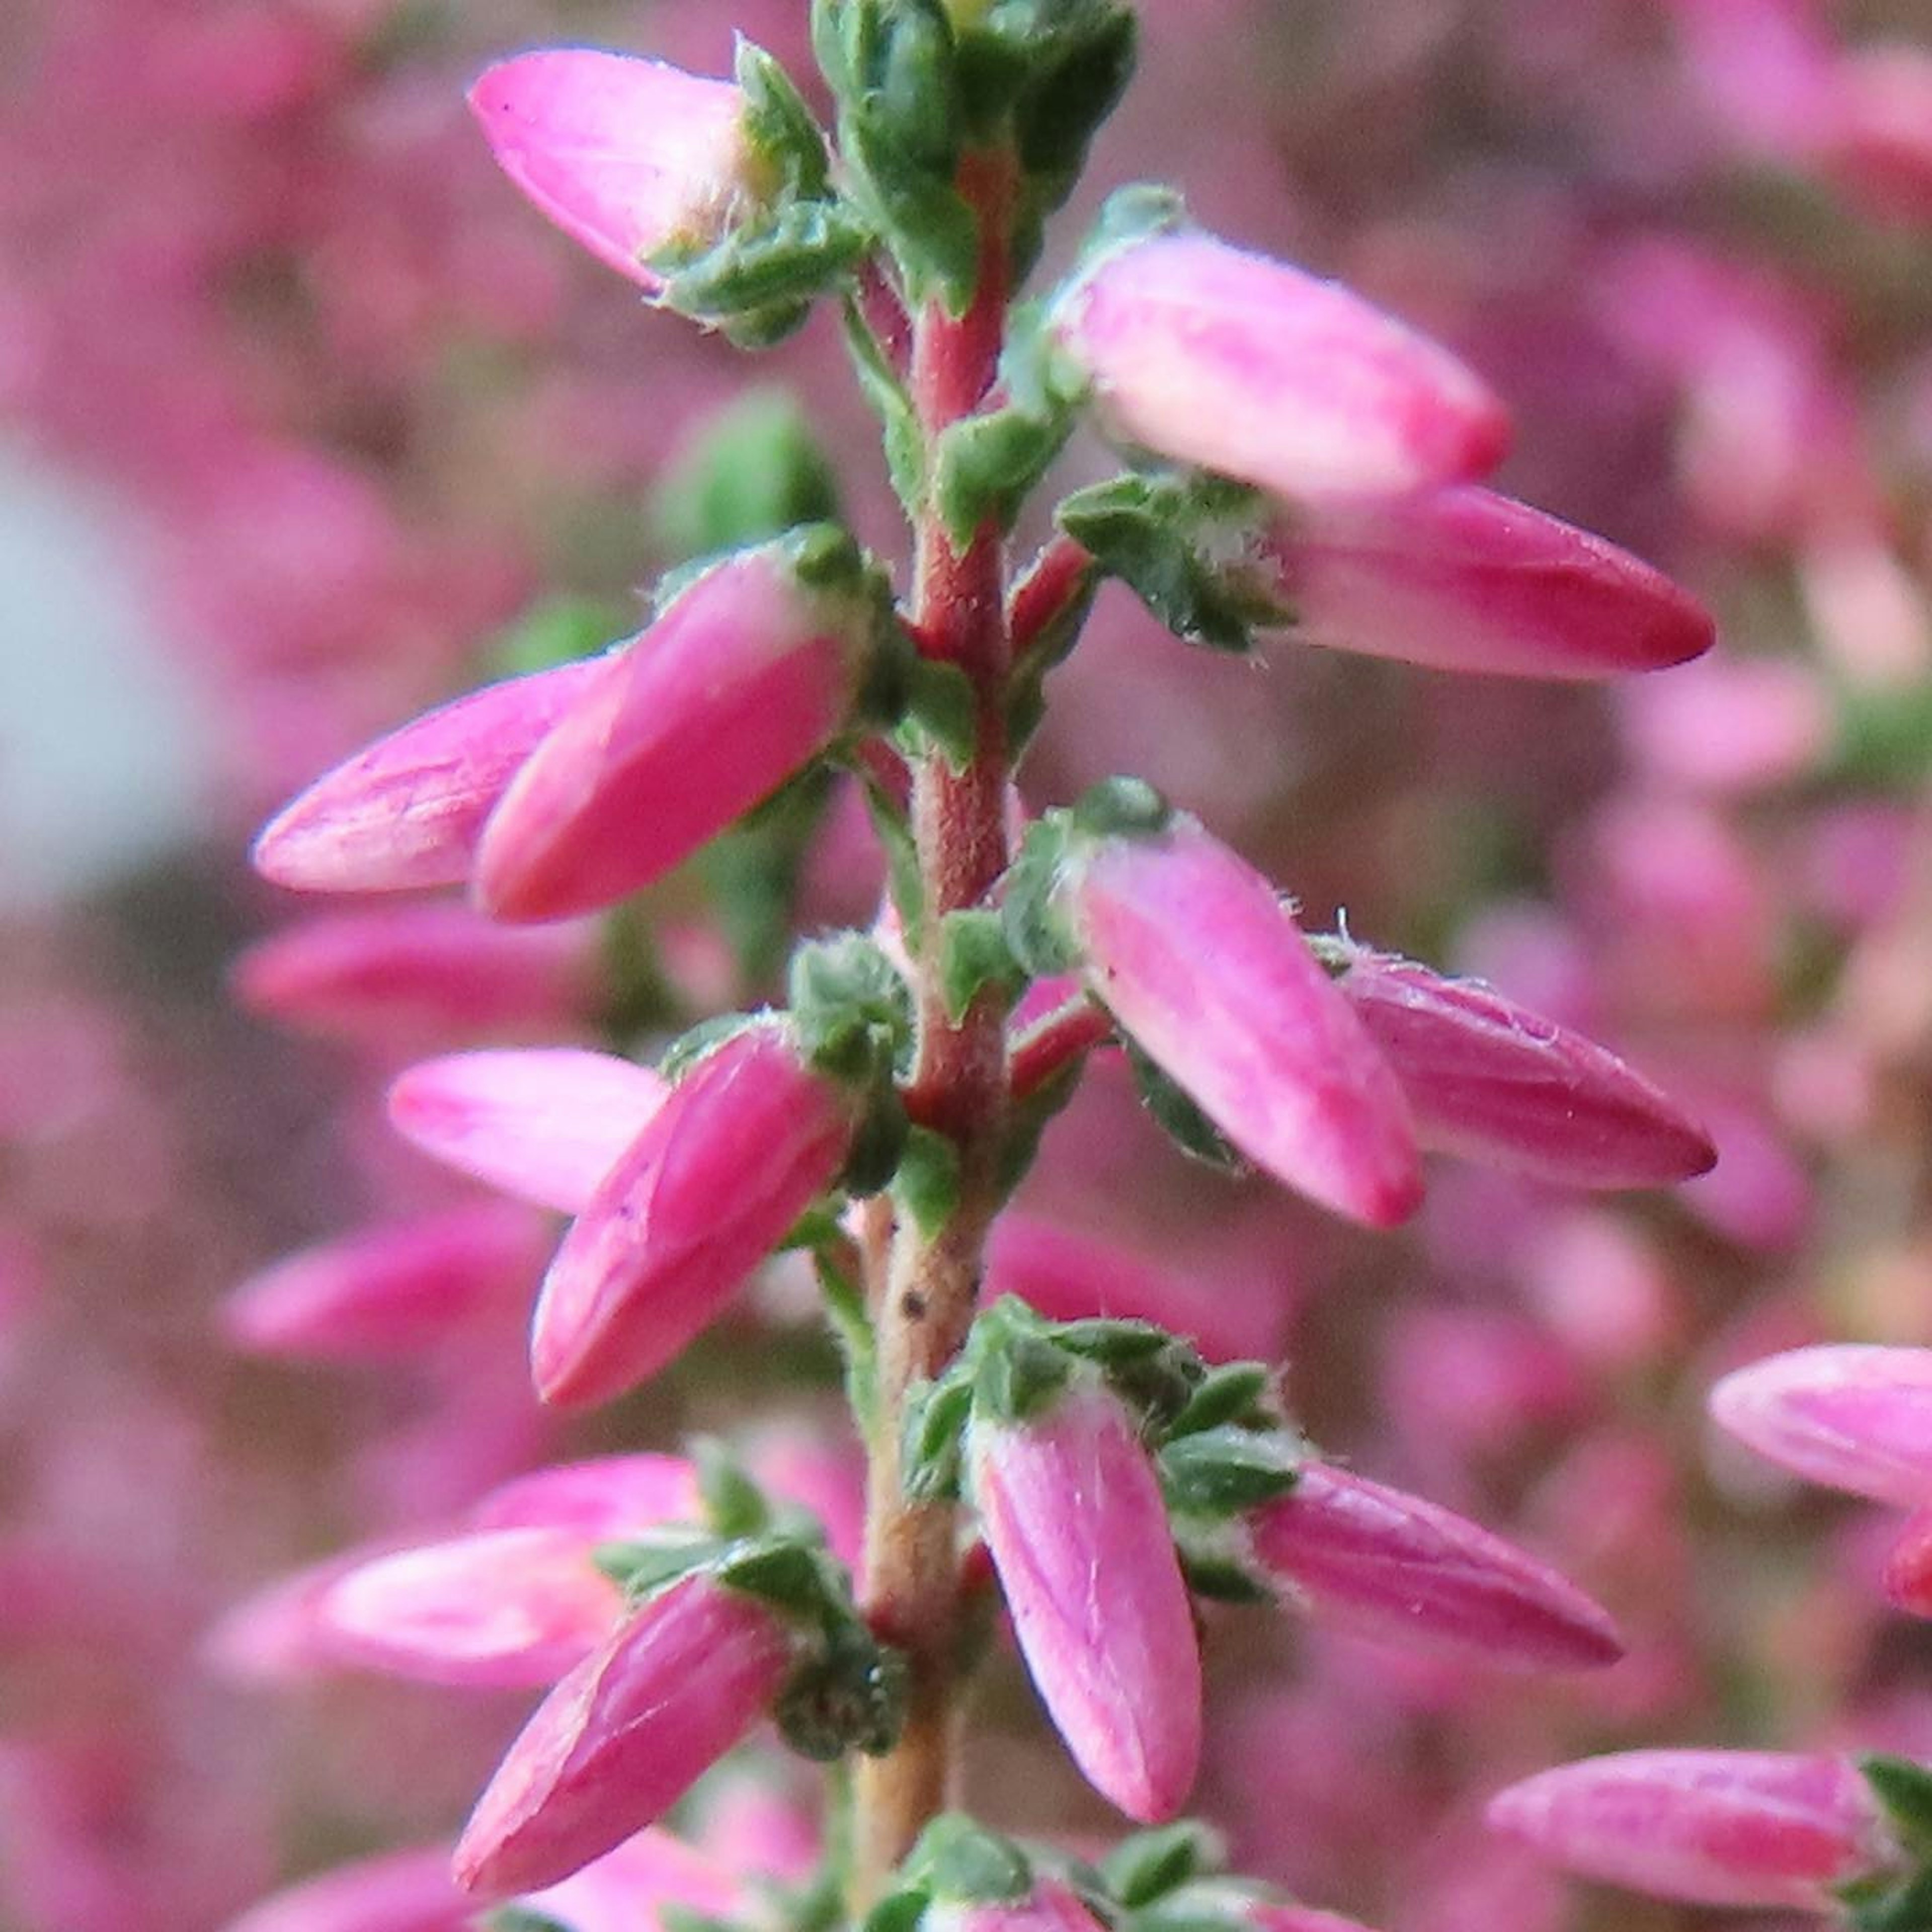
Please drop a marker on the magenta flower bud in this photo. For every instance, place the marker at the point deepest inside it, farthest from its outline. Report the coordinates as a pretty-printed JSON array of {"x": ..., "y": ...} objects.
[
  {"x": 546, "y": 1124},
  {"x": 1200, "y": 351},
  {"x": 1198, "y": 959},
  {"x": 622, "y": 1738},
  {"x": 1464, "y": 579},
  {"x": 406, "y": 972},
  {"x": 1487, "y": 1079},
  {"x": 1852, "y": 1416},
  {"x": 502, "y": 1606},
  {"x": 1049, "y": 1907},
  {"x": 627, "y": 1890},
  {"x": 1072, "y": 1516},
  {"x": 393, "y": 1290},
  {"x": 743, "y": 1143},
  {"x": 1715, "y": 1828},
  {"x": 744, "y": 678},
  {"x": 1391, "y": 1566},
  {"x": 400, "y": 1891},
  {"x": 626, "y": 156},
  {"x": 606, "y": 1497},
  {"x": 1908, "y": 1569},
  {"x": 407, "y": 812}
]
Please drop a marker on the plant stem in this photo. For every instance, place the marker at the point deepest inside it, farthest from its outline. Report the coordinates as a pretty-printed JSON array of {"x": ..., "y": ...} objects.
[{"x": 922, "y": 1303}]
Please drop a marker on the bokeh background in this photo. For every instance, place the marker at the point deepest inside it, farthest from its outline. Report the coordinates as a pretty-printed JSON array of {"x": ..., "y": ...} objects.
[{"x": 307, "y": 420}]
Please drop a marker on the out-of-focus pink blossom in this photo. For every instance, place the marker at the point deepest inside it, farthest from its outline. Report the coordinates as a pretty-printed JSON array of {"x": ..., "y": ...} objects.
[
  {"x": 1878, "y": 141},
  {"x": 545, "y": 1124},
  {"x": 626, "y": 156},
  {"x": 1253, "y": 367},
  {"x": 742, "y": 1144},
  {"x": 1072, "y": 1514},
  {"x": 1856, "y": 1417},
  {"x": 1464, "y": 579},
  {"x": 604, "y": 1498},
  {"x": 1729, "y": 725},
  {"x": 1488, "y": 1080},
  {"x": 400, "y": 1891},
  {"x": 744, "y": 678},
  {"x": 628, "y": 1889},
  {"x": 1715, "y": 1827},
  {"x": 501, "y": 1606},
  {"x": 417, "y": 972},
  {"x": 408, "y": 811},
  {"x": 393, "y": 1290},
  {"x": 623, "y": 1737},
  {"x": 1908, "y": 1567},
  {"x": 1396, "y": 1567},
  {"x": 1264, "y": 1043}
]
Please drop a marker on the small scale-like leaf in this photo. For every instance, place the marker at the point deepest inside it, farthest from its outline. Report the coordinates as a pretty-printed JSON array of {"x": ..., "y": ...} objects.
[{"x": 1225, "y": 1471}]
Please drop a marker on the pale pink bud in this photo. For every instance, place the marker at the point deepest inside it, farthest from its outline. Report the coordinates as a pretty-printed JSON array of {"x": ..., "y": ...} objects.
[
  {"x": 606, "y": 1497},
  {"x": 743, "y": 1143},
  {"x": 406, "y": 972},
  {"x": 393, "y": 1290},
  {"x": 277, "y": 1634},
  {"x": 1391, "y": 1566},
  {"x": 622, "y": 1738},
  {"x": 400, "y": 1891},
  {"x": 1255, "y": 368},
  {"x": 628, "y": 1889},
  {"x": 1878, "y": 143},
  {"x": 544, "y": 1123},
  {"x": 1488, "y": 1080},
  {"x": 1715, "y": 1827},
  {"x": 1465, "y": 579},
  {"x": 626, "y": 156},
  {"x": 1200, "y": 962},
  {"x": 1852, "y": 1416},
  {"x": 408, "y": 811},
  {"x": 745, "y": 677},
  {"x": 502, "y": 1606},
  {"x": 1072, "y": 1515},
  {"x": 1049, "y": 1907}
]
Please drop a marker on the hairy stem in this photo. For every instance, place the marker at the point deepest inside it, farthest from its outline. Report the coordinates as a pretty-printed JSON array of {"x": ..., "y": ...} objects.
[{"x": 923, "y": 1302}]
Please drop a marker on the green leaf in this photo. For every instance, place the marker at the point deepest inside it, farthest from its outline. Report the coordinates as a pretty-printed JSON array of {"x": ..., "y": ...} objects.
[
  {"x": 927, "y": 1185},
  {"x": 781, "y": 1571},
  {"x": 985, "y": 465},
  {"x": 690, "y": 1046},
  {"x": 902, "y": 871},
  {"x": 762, "y": 274},
  {"x": 1179, "y": 1118},
  {"x": 960, "y": 1861},
  {"x": 779, "y": 125},
  {"x": 734, "y": 1506},
  {"x": 521, "y": 1919},
  {"x": 1150, "y": 1864},
  {"x": 904, "y": 440},
  {"x": 642, "y": 1565},
  {"x": 1112, "y": 1343},
  {"x": 756, "y": 471},
  {"x": 555, "y": 631},
  {"x": 851, "y": 1697},
  {"x": 878, "y": 1142},
  {"x": 1229, "y": 1393},
  {"x": 898, "y": 1911},
  {"x": 845, "y": 1309},
  {"x": 1036, "y": 932},
  {"x": 973, "y": 956},
  {"x": 1016, "y": 1379},
  {"x": 851, "y": 1007},
  {"x": 935, "y": 1423},
  {"x": 1226, "y": 1471},
  {"x": 1120, "y": 808},
  {"x": 942, "y": 706},
  {"x": 1903, "y": 1906},
  {"x": 1905, "y": 1789}
]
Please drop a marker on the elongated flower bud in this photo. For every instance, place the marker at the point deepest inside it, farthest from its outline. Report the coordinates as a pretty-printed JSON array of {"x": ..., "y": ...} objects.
[
  {"x": 741, "y": 1146},
  {"x": 1488, "y": 1080},
  {"x": 1072, "y": 1516},
  {"x": 745, "y": 677},
  {"x": 1396, "y": 1568},
  {"x": 408, "y": 811},
  {"x": 1192, "y": 951},
  {"x": 599, "y": 1499},
  {"x": 1047, "y": 1907},
  {"x": 546, "y": 1124},
  {"x": 622, "y": 1738},
  {"x": 1250, "y": 367},
  {"x": 393, "y": 1290},
  {"x": 1465, "y": 579},
  {"x": 400, "y": 1891},
  {"x": 502, "y": 1606},
  {"x": 1852, "y": 1416},
  {"x": 1716, "y": 1828},
  {"x": 628, "y": 1889},
  {"x": 408, "y": 972},
  {"x": 626, "y": 156}
]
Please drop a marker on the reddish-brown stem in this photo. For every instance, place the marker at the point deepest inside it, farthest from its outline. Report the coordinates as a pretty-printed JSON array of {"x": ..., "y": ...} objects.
[{"x": 922, "y": 1305}]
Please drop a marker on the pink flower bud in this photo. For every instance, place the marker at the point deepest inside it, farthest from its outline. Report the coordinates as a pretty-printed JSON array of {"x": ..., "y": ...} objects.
[
  {"x": 1049, "y": 1907},
  {"x": 1256, "y": 369},
  {"x": 407, "y": 972},
  {"x": 1464, "y": 579},
  {"x": 743, "y": 1143},
  {"x": 503, "y": 1606},
  {"x": 1488, "y": 1080},
  {"x": 1908, "y": 1569},
  {"x": 1852, "y": 1416},
  {"x": 1072, "y": 1515},
  {"x": 1715, "y": 1827},
  {"x": 627, "y": 1890},
  {"x": 623, "y": 1737},
  {"x": 1393, "y": 1567},
  {"x": 1266, "y": 1916},
  {"x": 606, "y": 1497},
  {"x": 393, "y": 1290},
  {"x": 626, "y": 156},
  {"x": 547, "y": 1124},
  {"x": 400, "y": 1891},
  {"x": 1200, "y": 961},
  {"x": 745, "y": 677},
  {"x": 408, "y": 811}
]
